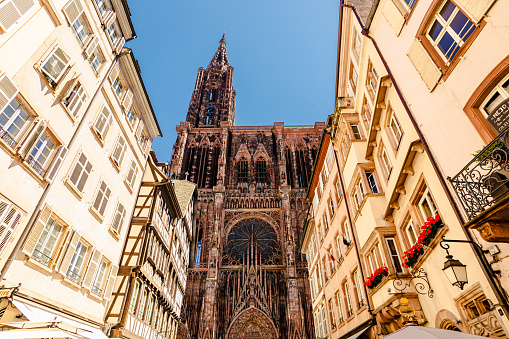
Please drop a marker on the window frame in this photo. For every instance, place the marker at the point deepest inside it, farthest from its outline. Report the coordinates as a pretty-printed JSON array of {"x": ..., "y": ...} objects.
[
  {"x": 54, "y": 81},
  {"x": 13, "y": 141},
  {"x": 43, "y": 245}
]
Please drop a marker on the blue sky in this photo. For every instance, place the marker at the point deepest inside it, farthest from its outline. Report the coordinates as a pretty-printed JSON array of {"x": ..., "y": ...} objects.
[{"x": 283, "y": 52}]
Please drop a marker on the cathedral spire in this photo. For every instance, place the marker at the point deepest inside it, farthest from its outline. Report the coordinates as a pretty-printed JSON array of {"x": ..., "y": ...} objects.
[{"x": 221, "y": 57}]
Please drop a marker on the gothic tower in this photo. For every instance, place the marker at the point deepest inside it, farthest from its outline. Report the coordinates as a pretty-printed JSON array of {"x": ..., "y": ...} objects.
[{"x": 246, "y": 279}]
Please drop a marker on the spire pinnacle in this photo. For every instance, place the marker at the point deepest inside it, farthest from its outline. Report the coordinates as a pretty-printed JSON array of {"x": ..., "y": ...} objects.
[{"x": 220, "y": 58}]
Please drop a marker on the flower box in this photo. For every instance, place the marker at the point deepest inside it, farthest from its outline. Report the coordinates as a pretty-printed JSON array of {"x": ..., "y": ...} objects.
[
  {"x": 376, "y": 278},
  {"x": 428, "y": 233}
]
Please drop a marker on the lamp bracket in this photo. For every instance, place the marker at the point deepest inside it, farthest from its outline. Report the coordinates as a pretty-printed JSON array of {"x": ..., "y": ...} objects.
[
  {"x": 446, "y": 247},
  {"x": 420, "y": 280}
]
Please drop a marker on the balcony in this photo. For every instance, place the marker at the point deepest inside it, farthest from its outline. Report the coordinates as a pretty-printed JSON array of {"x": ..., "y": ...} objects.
[{"x": 483, "y": 186}]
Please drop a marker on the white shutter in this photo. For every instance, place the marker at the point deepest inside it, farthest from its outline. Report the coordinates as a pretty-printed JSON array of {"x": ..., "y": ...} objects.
[
  {"x": 476, "y": 9},
  {"x": 11, "y": 11},
  {"x": 92, "y": 45},
  {"x": 424, "y": 65},
  {"x": 119, "y": 43},
  {"x": 8, "y": 91},
  {"x": 32, "y": 136},
  {"x": 92, "y": 267},
  {"x": 56, "y": 164},
  {"x": 110, "y": 18},
  {"x": 69, "y": 248},
  {"x": 128, "y": 99},
  {"x": 73, "y": 10},
  {"x": 9, "y": 220},
  {"x": 111, "y": 282},
  {"x": 139, "y": 130},
  {"x": 23, "y": 6},
  {"x": 114, "y": 74}
]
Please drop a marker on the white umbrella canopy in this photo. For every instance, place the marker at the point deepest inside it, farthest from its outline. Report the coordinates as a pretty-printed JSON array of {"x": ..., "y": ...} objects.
[{"x": 418, "y": 332}]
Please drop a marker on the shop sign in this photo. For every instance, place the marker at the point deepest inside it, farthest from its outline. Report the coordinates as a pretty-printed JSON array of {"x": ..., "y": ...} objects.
[
  {"x": 499, "y": 118},
  {"x": 8, "y": 292}
]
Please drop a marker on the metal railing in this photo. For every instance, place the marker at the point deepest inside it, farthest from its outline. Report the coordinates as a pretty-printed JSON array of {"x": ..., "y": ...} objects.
[
  {"x": 41, "y": 257},
  {"x": 485, "y": 179},
  {"x": 5, "y": 136},
  {"x": 71, "y": 275},
  {"x": 35, "y": 164},
  {"x": 96, "y": 290}
]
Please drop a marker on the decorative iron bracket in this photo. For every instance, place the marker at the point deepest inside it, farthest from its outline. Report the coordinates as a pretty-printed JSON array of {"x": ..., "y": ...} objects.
[{"x": 421, "y": 283}]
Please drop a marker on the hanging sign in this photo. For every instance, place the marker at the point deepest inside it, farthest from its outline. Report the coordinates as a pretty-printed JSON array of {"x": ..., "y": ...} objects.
[
  {"x": 7, "y": 292},
  {"x": 499, "y": 118}
]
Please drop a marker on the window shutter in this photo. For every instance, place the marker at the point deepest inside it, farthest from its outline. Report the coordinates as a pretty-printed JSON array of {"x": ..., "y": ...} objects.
[
  {"x": 56, "y": 164},
  {"x": 37, "y": 230},
  {"x": 23, "y": 6},
  {"x": 139, "y": 130},
  {"x": 3, "y": 208},
  {"x": 119, "y": 44},
  {"x": 69, "y": 248},
  {"x": 110, "y": 18},
  {"x": 111, "y": 282},
  {"x": 92, "y": 267},
  {"x": 84, "y": 176},
  {"x": 8, "y": 91},
  {"x": 476, "y": 9},
  {"x": 73, "y": 10},
  {"x": 8, "y": 225},
  {"x": 128, "y": 99},
  {"x": 92, "y": 45},
  {"x": 9, "y": 15},
  {"x": 114, "y": 74},
  {"x": 424, "y": 65},
  {"x": 107, "y": 126},
  {"x": 32, "y": 136},
  {"x": 105, "y": 200}
]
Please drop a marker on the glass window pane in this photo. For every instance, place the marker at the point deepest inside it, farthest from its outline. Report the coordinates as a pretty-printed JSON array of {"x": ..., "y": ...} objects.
[
  {"x": 435, "y": 30},
  {"x": 447, "y": 10}
]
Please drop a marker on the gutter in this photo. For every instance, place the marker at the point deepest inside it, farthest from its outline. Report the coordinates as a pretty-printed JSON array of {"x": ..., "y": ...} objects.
[
  {"x": 35, "y": 214},
  {"x": 488, "y": 271}
]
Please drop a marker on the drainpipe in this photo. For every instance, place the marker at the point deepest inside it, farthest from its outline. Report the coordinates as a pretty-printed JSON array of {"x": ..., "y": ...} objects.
[
  {"x": 349, "y": 216},
  {"x": 31, "y": 222},
  {"x": 488, "y": 271}
]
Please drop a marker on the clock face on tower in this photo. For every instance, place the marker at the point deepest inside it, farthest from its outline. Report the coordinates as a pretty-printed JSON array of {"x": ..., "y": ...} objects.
[{"x": 254, "y": 235}]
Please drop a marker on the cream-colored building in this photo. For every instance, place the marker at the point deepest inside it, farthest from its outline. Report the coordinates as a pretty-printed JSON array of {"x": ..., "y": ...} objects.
[
  {"x": 415, "y": 84},
  {"x": 76, "y": 126},
  {"x": 147, "y": 297}
]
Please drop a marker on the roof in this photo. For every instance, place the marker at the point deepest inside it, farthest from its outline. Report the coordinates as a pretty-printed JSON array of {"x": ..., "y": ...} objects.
[
  {"x": 363, "y": 8},
  {"x": 184, "y": 190}
]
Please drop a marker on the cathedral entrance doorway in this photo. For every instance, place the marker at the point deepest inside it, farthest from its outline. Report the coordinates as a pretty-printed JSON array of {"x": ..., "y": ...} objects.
[{"x": 252, "y": 324}]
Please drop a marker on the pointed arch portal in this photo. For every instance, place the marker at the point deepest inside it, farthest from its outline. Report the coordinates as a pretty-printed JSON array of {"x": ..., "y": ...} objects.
[{"x": 252, "y": 324}]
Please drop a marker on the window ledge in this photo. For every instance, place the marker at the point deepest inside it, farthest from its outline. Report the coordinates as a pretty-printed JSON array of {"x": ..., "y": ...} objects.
[
  {"x": 117, "y": 167},
  {"x": 350, "y": 318},
  {"x": 114, "y": 234},
  {"x": 97, "y": 136},
  {"x": 73, "y": 189},
  {"x": 129, "y": 188},
  {"x": 360, "y": 310},
  {"x": 96, "y": 214},
  {"x": 37, "y": 265},
  {"x": 70, "y": 283},
  {"x": 94, "y": 297},
  {"x": 430, "y": 248},
  {"x": 31, "y": 171}
]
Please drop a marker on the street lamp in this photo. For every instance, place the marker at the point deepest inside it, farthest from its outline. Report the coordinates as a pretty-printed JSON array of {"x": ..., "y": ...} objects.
[{"x": 454, "y": 270}]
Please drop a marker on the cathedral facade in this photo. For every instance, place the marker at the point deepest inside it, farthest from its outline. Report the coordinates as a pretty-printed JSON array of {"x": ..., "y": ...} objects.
[{"x": 246, "y": 278}]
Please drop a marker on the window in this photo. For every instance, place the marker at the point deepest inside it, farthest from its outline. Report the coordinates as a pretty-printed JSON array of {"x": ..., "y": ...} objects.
[
  {"x": 96, "y": 60},
  {"x": 12, "y": 11},
  {"x": 338, "y": 246},
  {"x": 356, "y": 44},
  {"x": 353, "y": 78},
  {"x": 366, "y": 113},
  {"x": 393, "y": 251},
  {"x": 356, "y": 132},
  {"x": 347, "y": 235},
  {"x": 359, "y": 193},
  {"x": 55, "y": 65},
  {"x": 370, "y": 177},
  {"x": 101, "y": 199},
  {"x": 330, "y": 157},
  {"x": 396, "y": 131},
  {"x": 498, "y": 95},
  {"x": 340, "y": 307},
  {"x": 132, "y": 173},
  {"x": 242, "y": 175},
  {"x": 372, "y": 259},
  {"x": 118, "y": 218},
  {"x": 338, "y": 190},
  {"x": 96, "y": 287},
  {"x": 347, "y": 299},
  {"x": 73, "y": 271},
  {"x": 449, "y": 30},
  {"x": 371, "y": 81},
  {"x": 132, "y": 115},
  {"x": 148, "y": 315},
  {"x": 118, "y": 86},
  {"x": 261, "y": 171},
  {"x": 358, "y": 288},
  {"x": 103, "y": 6},
  {"x": 113, "y": 33},
  {"x": 143, "y": 300},
  {"x": 427, "y": 206},
  {"x": 12, "y": 121},
  {"x": 41, "y": 152},
  {"x": 81, "y": 172},
  {"x": 134, "y": 297},
  {"x": 325, "y": 221},
  {"x": 103, "y": 123},
  {"x": 47, "y": 241},
  {"x": 332, "y": 318},
  {"x": 74, "y": 100},
  {"x": 411, "y": 232},
  {"x": 119, "y": 150},
  {"x": 143, "y": 140},
  {"x": 331, "y": 204},
  {"x": 74, "y": 14},
  {"x": 325, "y": 329},
  {"x": 386, "y": 161}
]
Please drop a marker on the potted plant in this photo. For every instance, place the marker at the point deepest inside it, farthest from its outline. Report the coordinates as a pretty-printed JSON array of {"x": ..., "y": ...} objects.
[{"x": 376, "y": 278}]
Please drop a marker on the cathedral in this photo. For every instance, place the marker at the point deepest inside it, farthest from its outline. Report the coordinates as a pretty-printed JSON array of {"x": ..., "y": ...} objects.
[{"x": 246, "y": 278}]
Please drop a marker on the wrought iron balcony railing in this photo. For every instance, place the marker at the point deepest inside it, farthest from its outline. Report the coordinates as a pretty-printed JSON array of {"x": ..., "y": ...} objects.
[
  {"x": 485, "y": 179},
  {"x": 41, "y": 257},
  {"x": 5, "y": 136}
]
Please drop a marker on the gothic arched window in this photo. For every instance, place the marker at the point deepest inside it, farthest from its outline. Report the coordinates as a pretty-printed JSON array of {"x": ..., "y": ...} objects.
[
  {"x": 242, "y": 170},
  {"x": 261, "y": 171}
]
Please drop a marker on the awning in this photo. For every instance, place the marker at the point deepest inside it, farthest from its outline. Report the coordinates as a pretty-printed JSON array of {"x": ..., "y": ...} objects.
[
  {"x": 358, "y": 334},
  {"x": 39, "y": 333},
  {"x": 42, "y": 321},
  {"x": 418, "y": 332}
]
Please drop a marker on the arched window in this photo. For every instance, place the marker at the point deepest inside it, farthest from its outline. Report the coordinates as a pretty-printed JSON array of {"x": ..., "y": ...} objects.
[
  {"x": 261, "y": 171},
  {"x": 242, "y": 171}
]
